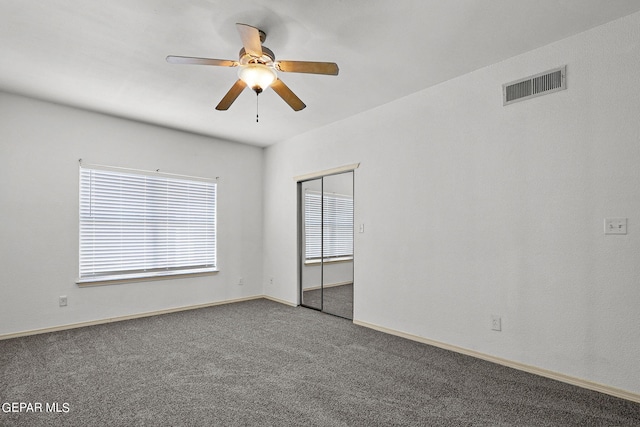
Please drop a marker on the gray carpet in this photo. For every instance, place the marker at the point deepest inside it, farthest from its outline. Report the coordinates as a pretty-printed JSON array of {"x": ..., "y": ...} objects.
[{"x": 265, "y": 364}]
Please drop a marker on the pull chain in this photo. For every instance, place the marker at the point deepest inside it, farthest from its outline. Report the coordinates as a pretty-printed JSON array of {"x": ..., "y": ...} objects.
[{"x": 257, "y": 93}]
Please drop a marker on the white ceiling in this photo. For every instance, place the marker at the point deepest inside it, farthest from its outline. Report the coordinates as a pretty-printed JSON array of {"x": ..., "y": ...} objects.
[{"x": 109, "y": 56}]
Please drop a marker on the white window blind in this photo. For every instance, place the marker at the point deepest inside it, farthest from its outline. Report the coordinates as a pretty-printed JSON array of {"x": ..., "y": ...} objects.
[
  {"x": 337, "y": 217},
  {"x": 134, "y": 225}
]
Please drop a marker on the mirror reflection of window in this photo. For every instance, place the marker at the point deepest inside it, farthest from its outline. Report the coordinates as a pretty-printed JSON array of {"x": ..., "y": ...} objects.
[{"x": 337, "y": 219}]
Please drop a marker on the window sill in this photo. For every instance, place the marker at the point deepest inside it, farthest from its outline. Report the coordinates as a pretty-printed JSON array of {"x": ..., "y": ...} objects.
[
  {"x": 128, "y": 278},
  {"x": 328, "y": 260}
]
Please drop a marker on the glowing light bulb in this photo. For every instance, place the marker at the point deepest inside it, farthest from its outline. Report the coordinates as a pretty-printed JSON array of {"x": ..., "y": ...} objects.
[{"x": 257, "y": 76}]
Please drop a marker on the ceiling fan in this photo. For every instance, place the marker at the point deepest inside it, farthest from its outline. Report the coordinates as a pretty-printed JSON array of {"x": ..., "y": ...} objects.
[{"x": 258, "y": 68}]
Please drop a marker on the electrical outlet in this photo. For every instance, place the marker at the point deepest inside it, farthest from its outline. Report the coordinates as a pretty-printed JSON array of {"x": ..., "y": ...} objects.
[
  {"x": 271, "y": 280},
  {"x": 241, "y": 281},
  {"x": 496, "y": 323},
  {"x": 62, "y": 301}
]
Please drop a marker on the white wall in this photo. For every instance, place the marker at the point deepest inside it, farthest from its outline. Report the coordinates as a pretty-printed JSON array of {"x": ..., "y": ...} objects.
[
  {"x": 40, "y": 144},
  {"x": 473, "y": 209}
]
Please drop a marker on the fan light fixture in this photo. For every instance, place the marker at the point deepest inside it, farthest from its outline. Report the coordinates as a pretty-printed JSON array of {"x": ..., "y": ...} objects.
[{"x": 257, "y": 76}]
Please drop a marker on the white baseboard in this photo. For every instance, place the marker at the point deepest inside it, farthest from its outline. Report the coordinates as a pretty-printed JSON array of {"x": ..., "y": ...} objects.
[
  {"x": 281, "y": 301},
  {"x": 590, "y": 385},
  {"x": 121, "y": 318}
]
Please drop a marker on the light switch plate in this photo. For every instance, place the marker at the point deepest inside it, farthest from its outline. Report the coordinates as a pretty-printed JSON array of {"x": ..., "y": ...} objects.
[
  {"x": 496, "y": 323},
  {"x": 615, "y": 226}
]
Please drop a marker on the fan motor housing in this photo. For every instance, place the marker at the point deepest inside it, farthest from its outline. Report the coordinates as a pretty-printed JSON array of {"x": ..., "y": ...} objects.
[{"x": 267, "y": 57}]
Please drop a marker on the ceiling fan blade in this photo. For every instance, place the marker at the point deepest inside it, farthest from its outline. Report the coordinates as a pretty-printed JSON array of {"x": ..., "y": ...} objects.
[
  {"x": 231, "y": 96},
  {"x": 201, "y": 61},
  {"x": 250, "y": 39},
  {"x": 330, "y": 68},
  {"x": 289, "y": 97}
]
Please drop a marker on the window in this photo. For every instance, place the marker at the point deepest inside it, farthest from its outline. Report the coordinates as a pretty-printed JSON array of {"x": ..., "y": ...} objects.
[
  {"x": 338, "y": 226},
  {"x": 134, "y": 225}
]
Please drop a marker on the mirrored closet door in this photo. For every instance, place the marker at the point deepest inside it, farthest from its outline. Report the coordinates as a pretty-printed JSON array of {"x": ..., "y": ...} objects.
[{"x": 325, "y": 235}]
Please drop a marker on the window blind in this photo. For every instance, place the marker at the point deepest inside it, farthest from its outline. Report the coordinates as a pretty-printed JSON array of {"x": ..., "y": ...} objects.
[
  {"x": 336, "y": 214},
  {"x": 135, "y": 225}
]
